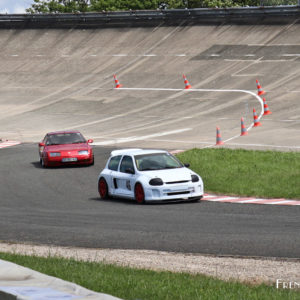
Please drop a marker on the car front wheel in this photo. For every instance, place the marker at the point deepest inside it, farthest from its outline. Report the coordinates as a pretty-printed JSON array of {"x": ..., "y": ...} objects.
[
  {"x": 102, "y": 188},
  {"x": 42, "y": 162},
  {"x": 139, "y": 194}
]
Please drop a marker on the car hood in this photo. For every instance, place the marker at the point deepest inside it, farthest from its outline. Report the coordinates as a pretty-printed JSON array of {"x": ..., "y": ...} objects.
[
  {"x": 169, "y": 175},
  {"x": 68, "y": 147}
]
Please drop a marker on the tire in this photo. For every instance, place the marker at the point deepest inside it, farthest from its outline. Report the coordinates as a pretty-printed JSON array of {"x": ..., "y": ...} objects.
[
  {"x": 103, "y": 188},
  {"x": 198, "y": 199},
  {"x": 139, "y": 194},
  {"x": 93, "y": 162},
  {"x": 43, "y": 163}
]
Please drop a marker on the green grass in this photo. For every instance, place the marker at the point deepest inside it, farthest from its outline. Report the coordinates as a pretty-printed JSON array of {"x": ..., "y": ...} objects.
[
  {"x": 249, "y": 173},
  {"x": 129, "y": 283}
]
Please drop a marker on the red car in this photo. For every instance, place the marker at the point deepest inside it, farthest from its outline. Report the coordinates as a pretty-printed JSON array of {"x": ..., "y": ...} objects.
[{"x": 65, "y": 148}]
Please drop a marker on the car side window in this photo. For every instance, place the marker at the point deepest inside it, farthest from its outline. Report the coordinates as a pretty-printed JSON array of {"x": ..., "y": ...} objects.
[
  {"x": 126, "y": 163},
  {"x": 114, "y": 163}
]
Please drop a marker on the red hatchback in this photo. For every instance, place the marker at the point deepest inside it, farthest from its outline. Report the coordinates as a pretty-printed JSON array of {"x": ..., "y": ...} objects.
[{"x": 65, "y": 148}]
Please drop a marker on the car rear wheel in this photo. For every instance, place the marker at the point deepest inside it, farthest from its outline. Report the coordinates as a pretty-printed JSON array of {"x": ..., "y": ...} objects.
[
  {"x": 103, "y": 188},
  {"x": 139, "y": 194}
]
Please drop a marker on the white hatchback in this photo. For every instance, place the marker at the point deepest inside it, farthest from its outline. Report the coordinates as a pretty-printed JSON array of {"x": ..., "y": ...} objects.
[{"x": 148, "y": 175}]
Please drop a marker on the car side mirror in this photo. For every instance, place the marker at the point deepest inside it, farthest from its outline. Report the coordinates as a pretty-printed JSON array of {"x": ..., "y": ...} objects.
[
  {"x": 90, "y": 141},
  {"x": 41, "y": 145},
  {"x": 187, "y": 165},
  {"x": 129, "y": 171}
]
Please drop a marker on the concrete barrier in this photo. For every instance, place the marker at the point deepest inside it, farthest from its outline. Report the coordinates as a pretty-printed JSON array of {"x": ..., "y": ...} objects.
[
  {"x": 168, "y": 17},
  {"x": 21, "y": 283}
]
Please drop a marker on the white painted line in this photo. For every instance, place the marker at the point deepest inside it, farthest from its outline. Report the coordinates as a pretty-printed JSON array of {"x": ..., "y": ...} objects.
[
  {"x": 119, "y": 55},
  {"x": 149, "y": 55},
  {"x": 240, "y": 60},
  {"x": 139, "y": 138},
  {"x": 276, "y": 60},
  {"x": 180, "y": 55},
  {"x": 8, "y": 144},
  {"x": 281, "y": 120},
  {"x": 217, "y": 55},
  {"x": 183, "y": 142},
  {"x": 209, "y": 196},
  {"x": 15, "y": 55},
  {"x": 279, "y": 202},
  {"x": 291, "y": 55},
  {"x": 208, "y": 90},
  {"x": 249, "y": 55},
  {"x": 222, "y": 198},
  {"x": 251, "y": 200},
  {"x": 246, "y": 75}
]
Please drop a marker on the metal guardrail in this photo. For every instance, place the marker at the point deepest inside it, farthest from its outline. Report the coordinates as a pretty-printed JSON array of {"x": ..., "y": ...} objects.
[{"x": 150, "y": 17}]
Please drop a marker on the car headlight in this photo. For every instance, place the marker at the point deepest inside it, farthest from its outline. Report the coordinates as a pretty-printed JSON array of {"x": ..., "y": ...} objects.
[
  {"x": 156, "y": 181},
  {"x": 195, "y": 178},
  {"x": 54, "y": 154},
  {"x": 83, "y": 152}
]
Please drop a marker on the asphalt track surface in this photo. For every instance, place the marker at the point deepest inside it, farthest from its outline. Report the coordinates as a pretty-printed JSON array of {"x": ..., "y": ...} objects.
[
  {"x": 61, "y": 206},
  {"x": 63, "y": 79}
]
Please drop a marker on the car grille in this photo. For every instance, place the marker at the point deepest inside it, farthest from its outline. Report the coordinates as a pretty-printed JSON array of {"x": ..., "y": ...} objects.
[
  {"x": 175, "y": 182},
  {"x": 178, "y": 193}
]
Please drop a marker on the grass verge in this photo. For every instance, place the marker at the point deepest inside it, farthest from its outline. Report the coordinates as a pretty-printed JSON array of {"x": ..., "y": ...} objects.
[
  {"x": 269, "y": 174},
  {"x": 130, "y": 283}
]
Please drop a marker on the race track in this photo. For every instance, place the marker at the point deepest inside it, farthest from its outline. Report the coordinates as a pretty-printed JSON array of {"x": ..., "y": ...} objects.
[
  {"x": 61, "y": 206},
  {"x": 63, "y": 79},
  {"x": 55, "y": 79}
]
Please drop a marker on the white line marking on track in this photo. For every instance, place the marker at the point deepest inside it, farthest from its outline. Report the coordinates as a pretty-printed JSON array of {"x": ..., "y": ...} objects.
[
  {"x": 208, "y": 90},
  {"x": 291, "y": 55},
  {"x": 8, "y": 144},
  {"x": 280, "y": 202},
  {"x": 139, "y": 138}
]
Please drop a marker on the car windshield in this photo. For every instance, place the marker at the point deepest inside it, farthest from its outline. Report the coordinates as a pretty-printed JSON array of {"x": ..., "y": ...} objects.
[
  {"x": 156, "y": 161},
  {"x": 65, "y": 138}
]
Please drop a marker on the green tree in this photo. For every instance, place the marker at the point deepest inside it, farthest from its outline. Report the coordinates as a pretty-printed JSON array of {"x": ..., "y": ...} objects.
[
  {"x": 72, "y": 6},
  {"x": 58, "y": 6}
]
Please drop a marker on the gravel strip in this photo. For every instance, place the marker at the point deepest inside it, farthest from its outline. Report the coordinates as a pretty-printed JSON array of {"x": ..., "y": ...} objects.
[{"x": 250, "y": 270}]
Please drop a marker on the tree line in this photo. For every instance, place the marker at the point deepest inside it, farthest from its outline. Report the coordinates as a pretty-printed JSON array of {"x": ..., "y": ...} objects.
[{"x": 75, "y": 6}]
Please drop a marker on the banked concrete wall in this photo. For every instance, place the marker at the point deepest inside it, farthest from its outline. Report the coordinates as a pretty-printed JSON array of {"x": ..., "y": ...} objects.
[{"x": 58, "y": 74}]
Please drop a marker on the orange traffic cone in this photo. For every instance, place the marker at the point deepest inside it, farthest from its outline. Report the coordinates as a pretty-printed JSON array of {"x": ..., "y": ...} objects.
[
  {"x": 243, "y": 128},
  {"x": 118, "y": 85},
  {"x": 219, "y": 140},
  {"x": 266, "y": 108},
  {"x": 260, "y": 91},
  {"x": 256, "y": 122},
  {"x": 187, "y": 85}
]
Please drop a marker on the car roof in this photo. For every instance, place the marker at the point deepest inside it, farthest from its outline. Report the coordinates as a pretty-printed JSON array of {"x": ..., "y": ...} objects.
[
  {"x": 64, "y": 131},
  {"x": 136, "y": 151}
]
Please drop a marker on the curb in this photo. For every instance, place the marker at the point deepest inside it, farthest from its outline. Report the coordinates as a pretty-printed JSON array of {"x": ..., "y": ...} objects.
[{"x": 249, "y": 200}]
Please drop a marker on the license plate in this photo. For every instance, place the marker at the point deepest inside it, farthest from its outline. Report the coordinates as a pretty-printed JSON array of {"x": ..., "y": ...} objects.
[{"x": 68, "y": 159}]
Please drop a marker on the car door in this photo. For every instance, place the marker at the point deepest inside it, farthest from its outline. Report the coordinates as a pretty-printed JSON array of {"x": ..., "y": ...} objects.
[
  {"x": 112, "y": 172},
  {"x": 124, "y": 180}
]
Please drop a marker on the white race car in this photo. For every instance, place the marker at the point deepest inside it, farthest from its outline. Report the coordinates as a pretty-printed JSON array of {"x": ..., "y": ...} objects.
[{"x": 148, "y": 175}]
